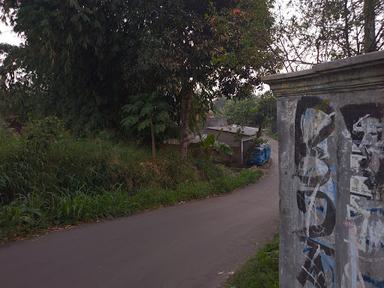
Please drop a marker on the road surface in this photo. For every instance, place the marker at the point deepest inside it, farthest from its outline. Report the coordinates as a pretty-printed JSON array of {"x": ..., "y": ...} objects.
[{"x": 195, "y": 245}]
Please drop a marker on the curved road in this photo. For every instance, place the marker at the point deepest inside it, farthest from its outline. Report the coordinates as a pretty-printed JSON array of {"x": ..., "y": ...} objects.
[{"x": 195, "y": 245}]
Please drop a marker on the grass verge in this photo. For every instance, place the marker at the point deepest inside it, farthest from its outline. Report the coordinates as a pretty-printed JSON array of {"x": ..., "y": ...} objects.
[
  {"x": 34, "y": 214},
  {"x": 48, "y": 178},
  {"x": 260, "y": 271}
]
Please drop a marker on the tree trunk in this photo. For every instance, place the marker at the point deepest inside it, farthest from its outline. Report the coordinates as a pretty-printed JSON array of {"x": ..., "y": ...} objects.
[
  {"x": 154, "y": 156},
  {"x": 186, "y": 107},
  {"x": 346, "y": 12},
  {"x": 369, "y": 26},
  {"x": 260, "y": 131}
]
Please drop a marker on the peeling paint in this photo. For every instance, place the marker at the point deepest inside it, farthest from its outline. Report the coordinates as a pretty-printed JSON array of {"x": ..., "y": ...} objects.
[
  {"x": 316, "y": 195},
  {"x": 331, "y": 131},
  {"x": 365, "y": 212}
]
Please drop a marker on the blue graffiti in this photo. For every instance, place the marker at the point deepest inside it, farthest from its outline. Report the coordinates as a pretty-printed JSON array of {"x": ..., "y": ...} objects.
[{"x": 374, "y": 282}]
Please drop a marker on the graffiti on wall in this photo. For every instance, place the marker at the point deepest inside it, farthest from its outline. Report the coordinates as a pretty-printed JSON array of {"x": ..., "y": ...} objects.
[
  {"x": 365, "y": 213},
  {"x": 316, "y": 193}
]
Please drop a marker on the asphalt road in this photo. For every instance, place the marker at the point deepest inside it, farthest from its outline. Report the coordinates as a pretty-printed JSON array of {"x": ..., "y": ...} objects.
[{"x": 195, "y": 245}]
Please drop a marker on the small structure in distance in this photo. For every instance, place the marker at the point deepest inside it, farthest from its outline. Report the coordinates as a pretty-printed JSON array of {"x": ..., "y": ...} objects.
[{"x": 239, "y": 138}]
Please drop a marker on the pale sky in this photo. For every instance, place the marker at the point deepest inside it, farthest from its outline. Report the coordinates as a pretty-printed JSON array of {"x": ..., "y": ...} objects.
[{"x": 8, "y": 36}]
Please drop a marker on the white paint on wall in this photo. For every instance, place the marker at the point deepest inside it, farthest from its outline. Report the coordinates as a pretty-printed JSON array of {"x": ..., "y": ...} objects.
[{"x": 358, "y": 186}]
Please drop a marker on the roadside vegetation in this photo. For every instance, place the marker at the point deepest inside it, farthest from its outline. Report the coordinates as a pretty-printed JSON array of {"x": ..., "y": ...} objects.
[
  {"x": 147, "y": 68},
  {"x": 257, "y": 111},
  {"x": 48, "y": 178},
  {"x": 260, "y": 271},
  {"x": 147, "y": 71}
]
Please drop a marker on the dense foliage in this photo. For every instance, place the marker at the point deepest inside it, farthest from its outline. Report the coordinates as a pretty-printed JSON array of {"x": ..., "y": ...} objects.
[
  {"x": 49, "y": 178},
  {"x": 259, "y": 111},
  {"x": 136, "y": 68},
  {"x": 148, "y": 112},
  {"x": 84, "y": 60}
]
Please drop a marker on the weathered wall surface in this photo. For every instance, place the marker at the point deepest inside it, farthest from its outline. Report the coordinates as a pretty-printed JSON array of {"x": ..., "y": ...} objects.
[{"x": 331, "y": 123}]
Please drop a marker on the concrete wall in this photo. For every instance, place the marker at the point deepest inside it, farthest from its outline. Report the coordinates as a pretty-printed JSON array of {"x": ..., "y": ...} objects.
[
  {"x": 230, "y": 139},
  {"x": 331, "y": 129},
  {"x": 216, "y": 122}
]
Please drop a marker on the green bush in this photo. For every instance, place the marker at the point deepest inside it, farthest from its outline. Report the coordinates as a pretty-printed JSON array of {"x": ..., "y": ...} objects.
[
  {"x": 46, "y": 160},
  {"x": 34, "y": 213},
  {"x": 261, "y": 271},
  {"x": 49, "y": 178}
]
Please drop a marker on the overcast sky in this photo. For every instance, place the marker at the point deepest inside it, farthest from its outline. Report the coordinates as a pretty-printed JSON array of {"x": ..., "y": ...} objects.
[{"x": 7, "y": 35}]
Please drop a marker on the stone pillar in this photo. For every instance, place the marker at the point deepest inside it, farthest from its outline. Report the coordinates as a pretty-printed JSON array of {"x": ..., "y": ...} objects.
[{"x": 331, "y": 135}]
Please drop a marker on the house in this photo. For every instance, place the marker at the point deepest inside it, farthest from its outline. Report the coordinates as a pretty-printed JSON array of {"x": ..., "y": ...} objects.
[{"x": 239, "y": 138}]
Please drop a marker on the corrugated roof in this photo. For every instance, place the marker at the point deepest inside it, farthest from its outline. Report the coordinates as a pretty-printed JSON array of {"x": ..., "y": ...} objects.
[{"x": 236, "y": 129}]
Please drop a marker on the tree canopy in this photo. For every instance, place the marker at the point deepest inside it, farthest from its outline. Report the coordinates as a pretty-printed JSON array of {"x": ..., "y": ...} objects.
[
  {"x": 86, "y": 59},
  {"x": 315, "y": 31},
  {"x": 259, "y": 111}
]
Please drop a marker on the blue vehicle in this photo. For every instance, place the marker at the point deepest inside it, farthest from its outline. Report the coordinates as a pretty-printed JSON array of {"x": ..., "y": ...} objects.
[{"x": 259, "y": 155}]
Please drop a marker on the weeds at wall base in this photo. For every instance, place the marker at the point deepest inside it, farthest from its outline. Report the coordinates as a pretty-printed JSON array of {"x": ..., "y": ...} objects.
[{"x": 260, "y": 271}]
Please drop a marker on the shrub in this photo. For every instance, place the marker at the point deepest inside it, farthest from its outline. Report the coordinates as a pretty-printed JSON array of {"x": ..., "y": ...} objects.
[
  {"x": 40, "y": 134},
  {"x": 46, "y": 160},
  {"x": 34, "y": 213},
  {"x": 47, "y": 178}
]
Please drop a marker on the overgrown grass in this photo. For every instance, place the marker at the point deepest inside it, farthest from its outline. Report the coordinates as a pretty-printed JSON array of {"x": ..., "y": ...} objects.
[
  {"x": 261, "y": 271},
  {"x": 48, "y": 178}
]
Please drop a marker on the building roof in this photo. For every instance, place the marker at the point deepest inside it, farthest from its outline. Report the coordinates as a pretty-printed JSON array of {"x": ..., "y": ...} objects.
[{"x": 236, "y": 129}]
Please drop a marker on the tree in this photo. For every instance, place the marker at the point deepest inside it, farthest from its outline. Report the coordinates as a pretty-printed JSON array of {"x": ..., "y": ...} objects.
[
  {"x": 73, "y": 54},
  {"x": 370, "y": 42},
  {"x": 18, "y": 98},
  {"x": 195, "y": 47},
  {"x": 90, "y": 58},
  {"x": 319, "y": 31},
  {"x": 260, "y": 111},
  {"x": 148, "y": 114}
]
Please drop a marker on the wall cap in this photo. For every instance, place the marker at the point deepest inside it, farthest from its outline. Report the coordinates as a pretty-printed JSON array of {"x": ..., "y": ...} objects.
[{"x": 361, "y": 72}]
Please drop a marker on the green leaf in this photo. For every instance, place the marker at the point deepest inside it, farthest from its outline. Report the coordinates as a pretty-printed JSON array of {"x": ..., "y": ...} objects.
[
  {"x": 130, "y": 121},
  {"x": 74, "y": 4},
  {"x": 146, "y": 110},
  {"x": 144, "y": 124}
]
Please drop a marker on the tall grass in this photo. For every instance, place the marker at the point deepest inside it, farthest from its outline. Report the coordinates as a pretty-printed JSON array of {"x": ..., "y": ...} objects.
[{"x": 48, "y": 178}]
